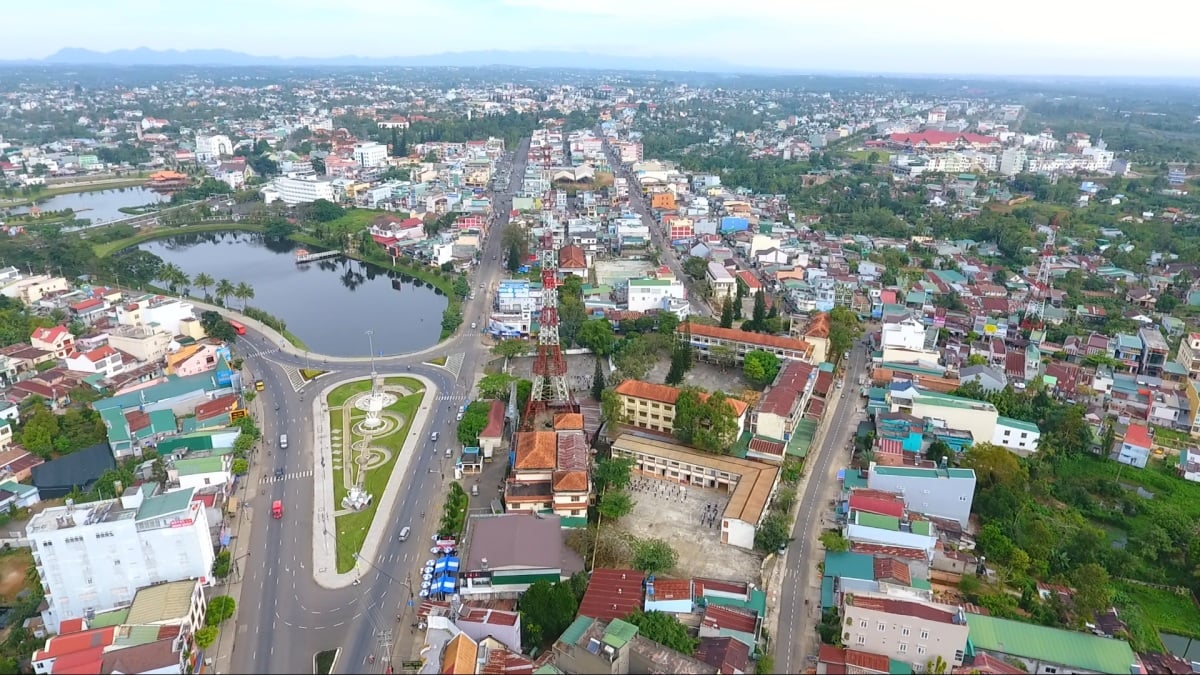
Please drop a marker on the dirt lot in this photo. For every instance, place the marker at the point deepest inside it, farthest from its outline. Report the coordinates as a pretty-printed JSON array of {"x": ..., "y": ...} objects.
[
  {"x": 13, "y": 566},
  {"x": 682, "y": 518},
  {"x": 707, "y": 376}
]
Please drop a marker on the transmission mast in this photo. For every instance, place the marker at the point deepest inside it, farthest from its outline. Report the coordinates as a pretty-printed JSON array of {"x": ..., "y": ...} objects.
[{"x": 1041, "y": 286}]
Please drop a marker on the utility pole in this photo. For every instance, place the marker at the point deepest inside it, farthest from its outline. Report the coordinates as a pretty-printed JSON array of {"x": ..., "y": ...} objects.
[{"x": 385, "y": 645}]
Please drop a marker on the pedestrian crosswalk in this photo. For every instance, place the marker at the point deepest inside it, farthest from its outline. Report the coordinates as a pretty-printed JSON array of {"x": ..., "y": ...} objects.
[
  {"x": 294, "y": 475},
  {"x": 262, "y": 352},
  {"x": 454, "y": 363},
  {"x": 451, "y": 398},
  {"x": 294, "y": 377}
]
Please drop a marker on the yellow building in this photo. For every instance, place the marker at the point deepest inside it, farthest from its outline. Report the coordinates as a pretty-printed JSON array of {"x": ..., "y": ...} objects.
[{"x": 652, "y": 406}]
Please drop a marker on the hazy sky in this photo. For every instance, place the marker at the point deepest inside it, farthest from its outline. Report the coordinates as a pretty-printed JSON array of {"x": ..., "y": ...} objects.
[{"x": 1148, "y": 37}]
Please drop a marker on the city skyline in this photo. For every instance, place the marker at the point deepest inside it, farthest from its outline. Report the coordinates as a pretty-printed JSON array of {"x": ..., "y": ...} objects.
[{"x": 1028, "y": 38}]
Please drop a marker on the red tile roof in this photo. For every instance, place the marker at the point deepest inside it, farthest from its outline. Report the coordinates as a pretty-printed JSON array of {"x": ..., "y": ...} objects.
[
  {"x": 90, "y": 303},
  {"x": 933, "y": 137},
  {"x": 718, "y": 616},
  {"x": 789, "y": 385},
  {"x": 573, "y": 453},
  {"x": 986, "y": 664},
  {"x": 700, "y": 586},
  {"x": 612, "y": 594},
  {"x": 1138, "y": 435},
  {"x": 749, "y": 279},
  {"x": 880, "y": 549},
  {"x": 536, "y": 450},
  {"x": 49, "y": 335},
  {"x": 572, "y": 257},
  {"x": 61, "y": 645},
  {"x": 726, "y": 654},
  {"x": 495, "y": 423},
  {"x": 877, "y": 505},
  {"x": 890, "y": 568},
  {"x": 763, "y": 446},
  {"x": 758, "y": 339},
  {"x": 671, "y": 589},
  {"x": 216, "y": 407}
]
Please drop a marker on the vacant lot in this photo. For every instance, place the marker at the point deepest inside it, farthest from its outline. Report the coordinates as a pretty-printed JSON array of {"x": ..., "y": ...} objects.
[{"x": 13, "y": 566}]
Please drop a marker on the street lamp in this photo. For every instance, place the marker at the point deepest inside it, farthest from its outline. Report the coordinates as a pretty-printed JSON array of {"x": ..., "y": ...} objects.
[{"x": 371, "y": 344}]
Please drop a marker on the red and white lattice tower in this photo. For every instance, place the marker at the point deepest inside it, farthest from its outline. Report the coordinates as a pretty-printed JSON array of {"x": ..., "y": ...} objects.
[
  {"x": 1041, "y": 286},
  {"x": 549, "y": 368}
]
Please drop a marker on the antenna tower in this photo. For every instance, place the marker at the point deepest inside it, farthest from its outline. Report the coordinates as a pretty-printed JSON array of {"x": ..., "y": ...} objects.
[{"x": 1042, "y": 285}]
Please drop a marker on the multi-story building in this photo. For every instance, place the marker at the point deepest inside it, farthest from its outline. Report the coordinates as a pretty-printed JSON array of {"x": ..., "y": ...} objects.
[
  {"x": 143, "y": 343},
  {"x": 292, "y": 191},
  {"x": 711, "y": 341},
  {"x": 211, "y": 148},
  {"x": 1154, "y": 351},
  {"x": 56, "y": 340},
  {"x": 103, "y": 360},
  {"x": 1188, "y": 355},
  {"x": 94, "y": 557},
  {"x": 652, "y": 406},
  {"x": 783, "y": 406},
  {"x": 550, "y": 472},
  {"x": 721, "y": 282},
  {"x": 1012, "y": 161},
  {"x": 941, "y": 492},
  {"x": 156, "y": 312},
  {"x": 370, "y": 154},
  {"x": 905, "y": 630},
  {"x": 947, "y": 411},
  {"x": 655, "y": 294}
]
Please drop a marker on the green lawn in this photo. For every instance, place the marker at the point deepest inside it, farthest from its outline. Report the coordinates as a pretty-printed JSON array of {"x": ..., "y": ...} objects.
[
  {"x": 352, "y": 528},
  {"x": 107, "y": 249},
  {"x": 862, "y": 155},
  {"x": 439, "y": 361}
]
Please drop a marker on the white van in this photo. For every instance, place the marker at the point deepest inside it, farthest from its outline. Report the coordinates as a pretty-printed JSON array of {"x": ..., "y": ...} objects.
[
  {"x": 404, "y": 533},
  {"x": 282, "y": 441}
]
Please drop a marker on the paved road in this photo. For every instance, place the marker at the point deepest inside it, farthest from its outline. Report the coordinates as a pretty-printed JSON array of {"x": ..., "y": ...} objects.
[
  {"x": 637, "y": 203},
  {"x": 284, "y": 616},
  {"x": 796, "y": 636}
]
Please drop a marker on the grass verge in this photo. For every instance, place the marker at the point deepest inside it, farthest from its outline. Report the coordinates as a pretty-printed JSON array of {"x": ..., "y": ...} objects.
[
  {"x": 352, "y": 528},
  {"x": 438, "y": 361},
  {"x": 323, "y": 661},
  {"x": 106, "y": 249},
  {"x": 1163, "y": 610},
  {"x": 310, "y": 374}
]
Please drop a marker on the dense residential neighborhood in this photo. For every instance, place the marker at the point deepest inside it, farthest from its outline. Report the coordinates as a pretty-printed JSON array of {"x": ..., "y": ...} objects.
[{"x": 861, "y": 380}]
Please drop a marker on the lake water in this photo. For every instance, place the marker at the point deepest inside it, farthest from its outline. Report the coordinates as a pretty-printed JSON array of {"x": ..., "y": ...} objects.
[
  {"x": 100, "y": 206},
  {"x": 329, "y": 304}
]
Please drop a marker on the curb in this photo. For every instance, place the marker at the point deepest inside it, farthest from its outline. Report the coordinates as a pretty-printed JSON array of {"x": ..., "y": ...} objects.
[{"x": 325, "y": 572}]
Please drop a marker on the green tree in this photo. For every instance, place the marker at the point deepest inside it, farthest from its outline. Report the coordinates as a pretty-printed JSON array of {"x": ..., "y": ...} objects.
[
  {"x": 761, "y": 367},
  {"x": 977, "y": 360},
  {"x": 474, "y": 421},
  {"x": 612, "y": 411},
  {"x": 514, "y": 258},
  {"x": 653, "y": 556},
  {"x": 244, "y": 292},
  {"x": 495, "y": 385},
  {"x": 324, "y": 211},
  {"x": 39, "y": 431},
  {"x": 937, "y": 666},
  {"x": 612, "y": 474},
  {"x": 681, "y": 362},
  {"x": 758, "y": 316},
  {"x": 937, "y": 451},
  {"x": 667, "y": 323},
  {"x": 224, "y": 290},
  {"x": 727, "y": 314},
  {"x": 706, "y": 422},
  {"x": 615, "y": 504},
  {"x": 597, "y": 335},
  {"x": 205, "y": 637},
  {"x": 833, "y": 540},
  {"x": 222, "y": 564},
  {"x": 994, "y": 465},
  {"x": 635, "y": 357},
  {"x": 203, "y": 281},
  {"x": 220, "y": 609},
  {"x": 598, "y": 378},
  {"x": 695, "y": 268},
  {"x": 462, "y": 287},
  {"x": 664, "y": 629},
  {"x": 774, "y": 533},
  {"x": 546, "y": 611},
  {"x": 278, "y": 228},
  {"x": 512, "y": 348}
]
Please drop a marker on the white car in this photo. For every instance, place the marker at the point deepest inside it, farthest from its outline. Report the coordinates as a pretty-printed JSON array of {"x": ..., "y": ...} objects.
[{"x": 458, "y": 417}]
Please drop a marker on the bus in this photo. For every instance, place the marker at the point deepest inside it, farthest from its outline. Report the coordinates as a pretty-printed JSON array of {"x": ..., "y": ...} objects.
[{"x": 237, "y": 327}]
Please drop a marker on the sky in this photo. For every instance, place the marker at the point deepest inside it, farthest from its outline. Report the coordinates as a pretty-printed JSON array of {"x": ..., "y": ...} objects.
[{"x": 1015, "y": 37}]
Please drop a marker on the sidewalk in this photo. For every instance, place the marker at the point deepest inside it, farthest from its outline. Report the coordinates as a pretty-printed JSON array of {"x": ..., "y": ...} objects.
[
  {"x": 222, "y": 661},
  {"x": 324, "y": 525}
]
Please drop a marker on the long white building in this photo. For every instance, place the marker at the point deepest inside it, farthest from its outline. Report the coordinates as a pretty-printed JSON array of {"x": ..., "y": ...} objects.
[
  {"x": 94, "y": 557},
  {"x": 292, "y": 191},
  {"x": 370, "y": 154}
]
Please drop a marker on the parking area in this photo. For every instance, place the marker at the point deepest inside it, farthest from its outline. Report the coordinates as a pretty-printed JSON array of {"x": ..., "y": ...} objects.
[{"x": 689, "y": 519}]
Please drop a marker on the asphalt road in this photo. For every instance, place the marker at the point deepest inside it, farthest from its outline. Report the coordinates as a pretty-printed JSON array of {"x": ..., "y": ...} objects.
[
  {"x": 796, "y": 636},
  {"x": 284, "y": 616},
  {"x": 637, "y": 203}
]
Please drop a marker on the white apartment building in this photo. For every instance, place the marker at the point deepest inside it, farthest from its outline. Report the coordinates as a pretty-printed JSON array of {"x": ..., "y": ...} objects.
[
  {"x": 104, "y": 360},
  {"x": 1012, "y": 161},
  {"x": 721, "y": 282},
  {"x": 142, "y": 343},
  {"x": 370, "y": 154},
  {"x": 292, "y": 191},
  {"x": 907, "y": 333},
  {"x": 648, "y": 294},
  {"x": 155, "y": 312},
  {"x": 94, "y": 557},
  {"x": 908, "y": 630},
  {"x": 211, "y": 148}
]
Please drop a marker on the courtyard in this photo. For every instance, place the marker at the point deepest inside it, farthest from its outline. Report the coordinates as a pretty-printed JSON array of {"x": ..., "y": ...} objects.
[
  {"x": 689, "y": 519},
  {"x": 364, "y": 447}
]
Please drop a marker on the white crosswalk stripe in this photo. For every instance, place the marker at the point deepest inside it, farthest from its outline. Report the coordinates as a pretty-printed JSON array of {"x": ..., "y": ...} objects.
[
  {"x": 264, "y": 352},
  {"x": 266, "y": 480},
  {"x": 454, "y": 363},
  {"x": 450, "y": 398},
  {"x": 294, "y": 377}
]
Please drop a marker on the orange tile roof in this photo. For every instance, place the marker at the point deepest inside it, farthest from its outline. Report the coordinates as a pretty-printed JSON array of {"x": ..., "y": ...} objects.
[
  {"x": 667, "y": 394},
  {"x": 612, "y": 594},
  {"x": 672, "y": 589},
  {"x": 570, "y": 481},
  {"x": 819, "y": 326},
  {"x": 459, "y": 657},
  {"x": 536, "y": 450},
  {"x": 735, "y": 335},
  {"x": 568, "y": 421},
  {"x": 495, "y": 423}
]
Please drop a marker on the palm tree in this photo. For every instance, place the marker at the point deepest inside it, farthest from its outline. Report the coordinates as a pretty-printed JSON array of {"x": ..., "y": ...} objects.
[
  {"x": 173, "y": 276},
  {"x": 203, "y": 281},
  {"x": 937, "y": 666},
  {"x": 243, "y": 292},
  {"x": 223, "y": 290}
]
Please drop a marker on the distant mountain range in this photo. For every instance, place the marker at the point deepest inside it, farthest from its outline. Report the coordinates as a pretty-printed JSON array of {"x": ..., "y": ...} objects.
[{"x": 522, "y": 59}]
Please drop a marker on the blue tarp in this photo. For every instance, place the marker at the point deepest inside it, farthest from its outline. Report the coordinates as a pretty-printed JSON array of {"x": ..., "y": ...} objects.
[
  {"x": 443, "y": 585},
  {"x": 445, "y": 564}
]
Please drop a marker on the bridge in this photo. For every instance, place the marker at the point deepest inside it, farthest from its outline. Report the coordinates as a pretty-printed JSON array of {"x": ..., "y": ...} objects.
[{"x": 303, "y": 256}]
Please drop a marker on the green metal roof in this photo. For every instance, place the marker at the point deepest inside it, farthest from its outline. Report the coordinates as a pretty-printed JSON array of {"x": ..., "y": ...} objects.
[
  {"x": 850, "y": 564},
  {"x": 191, "y": 467},
  {"x": 922, "y": 527},
  {"x": 801, "y": 440},
  {"x": 1018, "y": 424},
  {"x": 1053, "y": 645},
  {"x": 137, "y": 635},
  {"x": 878, "y": 521},
  {"x": 576, "y": 630},
  {"x": 114, "y": 423},
  {"x": 174, "y": 386},
  {"x": 161, "y": 505},
  {"x": 619, "y": 633},
  {"x": 650, "y": 282},
  {"x": 107, "y": 619},
  {"x": 917, "y": 472},
  {"x": 853, "y": 479}
]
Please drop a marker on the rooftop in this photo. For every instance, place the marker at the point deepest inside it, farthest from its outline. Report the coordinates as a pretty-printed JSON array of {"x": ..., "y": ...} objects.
[
  {"x": 1052, "y": 645},
  {"x": 668, "y": 394},
  {"x": 759, "y": 339},
  {"x": 918, "y": 472},
  {"x": 612, "y": 594},
  {"x": 164, "y": 602}
]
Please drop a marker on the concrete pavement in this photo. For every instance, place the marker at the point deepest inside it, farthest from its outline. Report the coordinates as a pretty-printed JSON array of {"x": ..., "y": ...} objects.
[{"x": 325, "y": 537}]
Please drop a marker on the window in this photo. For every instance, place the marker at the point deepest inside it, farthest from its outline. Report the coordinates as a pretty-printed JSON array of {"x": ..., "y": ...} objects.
[
  {"x": 862, "y": 639},
  {"x": 905, "y": 631},
  {"x": 902, "y": 647},
  {"x": 924, "y": 635},
  {"x": 920, "y": 649},
  {"x": 958, "y": 656},
  {"x": 880, "y": 626},
  {"x": 962, "y": 498},
  {"x": 862, "y": 624}
]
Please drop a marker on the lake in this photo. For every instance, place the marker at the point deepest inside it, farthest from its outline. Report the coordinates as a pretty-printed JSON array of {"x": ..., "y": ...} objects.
[
  {"x": 99, "y": 206},
  {"x": 329, "y": 304}
]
